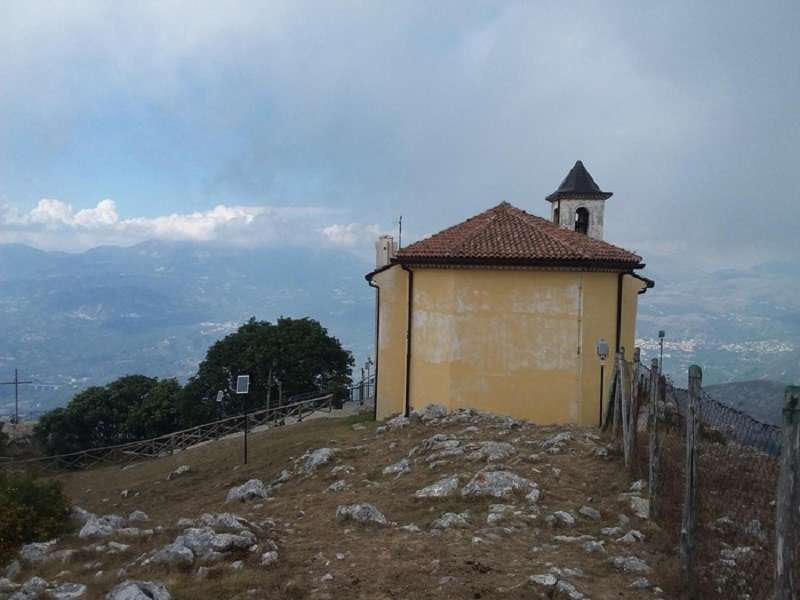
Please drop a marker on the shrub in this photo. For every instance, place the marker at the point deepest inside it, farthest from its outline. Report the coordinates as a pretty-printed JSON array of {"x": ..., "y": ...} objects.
[{"x": 30, "y": 511}]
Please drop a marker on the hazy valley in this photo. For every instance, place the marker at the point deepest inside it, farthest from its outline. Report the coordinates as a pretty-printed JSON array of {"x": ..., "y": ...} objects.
[{"x": 73, "y": 320}]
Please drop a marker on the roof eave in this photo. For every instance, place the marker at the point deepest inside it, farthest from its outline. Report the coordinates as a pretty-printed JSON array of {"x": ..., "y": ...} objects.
[
  {"x": 609, "y": 265},
  {"x": 578, "y": 196}
]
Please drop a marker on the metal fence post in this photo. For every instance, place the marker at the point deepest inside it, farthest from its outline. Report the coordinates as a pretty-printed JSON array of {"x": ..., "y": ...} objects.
[
  {"x": 787, "y": 520},
  {"x": 654, "y": 471},
  {"x": 688, "y": 518}
]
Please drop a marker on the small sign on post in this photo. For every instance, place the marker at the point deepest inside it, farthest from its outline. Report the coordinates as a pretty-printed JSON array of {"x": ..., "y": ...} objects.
[{"x": 602, "y": 354}]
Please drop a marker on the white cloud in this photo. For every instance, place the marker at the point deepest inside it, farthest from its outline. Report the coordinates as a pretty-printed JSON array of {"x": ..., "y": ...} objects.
[
  {"x": 55, "y": 224},
  {"x": 351, "y": 234}
]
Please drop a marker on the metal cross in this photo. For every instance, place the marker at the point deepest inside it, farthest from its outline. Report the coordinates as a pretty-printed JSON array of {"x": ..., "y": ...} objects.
[{"x": 16, "y": 383}]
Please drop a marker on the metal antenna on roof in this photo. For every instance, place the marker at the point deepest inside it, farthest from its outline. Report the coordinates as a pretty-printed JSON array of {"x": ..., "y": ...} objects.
[{"x": 400, "y": 232}]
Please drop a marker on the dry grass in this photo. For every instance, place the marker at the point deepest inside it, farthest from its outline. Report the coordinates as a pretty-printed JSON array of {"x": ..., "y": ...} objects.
[{"x": 378, "y": 563}]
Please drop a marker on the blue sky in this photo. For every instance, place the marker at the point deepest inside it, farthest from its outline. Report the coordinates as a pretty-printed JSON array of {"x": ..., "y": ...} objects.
[{"x": 295, "y": 122}]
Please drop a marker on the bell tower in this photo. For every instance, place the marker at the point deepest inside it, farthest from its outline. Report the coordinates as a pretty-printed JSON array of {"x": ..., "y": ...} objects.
[{"x": 579, "y": 203}]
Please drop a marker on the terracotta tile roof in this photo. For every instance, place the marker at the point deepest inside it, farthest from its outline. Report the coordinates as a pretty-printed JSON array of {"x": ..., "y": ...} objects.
[{"x": 508, "y": 235}]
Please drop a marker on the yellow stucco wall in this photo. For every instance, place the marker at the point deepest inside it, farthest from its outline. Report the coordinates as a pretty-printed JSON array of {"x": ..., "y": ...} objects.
[
  {"x": 515, "y": 342},
  {"x": 391, "y": 351}
]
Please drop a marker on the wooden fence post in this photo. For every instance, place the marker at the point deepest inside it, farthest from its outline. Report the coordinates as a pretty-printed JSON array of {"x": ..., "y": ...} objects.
[
  {"x": 612, "y": 387},
  {"x": 654, "y": 471},
  {"x": 787, "y": 519},
  {"x": 633, "y": 414},
  {"x": 688, "y": 517},
  {"x": 617, "y": 423},
  {"x": 625, "y": 386}
]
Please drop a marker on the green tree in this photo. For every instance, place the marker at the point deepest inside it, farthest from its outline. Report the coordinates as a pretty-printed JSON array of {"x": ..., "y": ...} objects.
[
  {"x": 130, "y": 408},
  {"x": 3, "y": 441},
  {"x": 30, "y": 511},
  {"x": 300, "y": 352}
]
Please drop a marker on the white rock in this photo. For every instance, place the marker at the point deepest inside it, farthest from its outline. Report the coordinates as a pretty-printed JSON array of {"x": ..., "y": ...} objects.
[
  {"x": 32, "y": 588},
  {"x": 432, "y": 412},
  {"x": 498, "y": 484},
  {"x": 557, "y": 439},
  {"x": 492, "y": 451},
  {"x": 318, "y": 458},
  {"x": 590, "y": 513},
  {"x": 398, "y": 468},
  {"x": 630, "y": 564},
  {"x": 37, "y": 551},
  {"x": 641, "y": 583},
  {"x": 443, "y": 487},
  {"x": 569, "y": 590},
  {"x": 174, "y": 554},
  {"x": 593, "y": 547},
  {"x": 68, "y": 591},
  {"x": 182, "y": 470},
  {"x": 397, "y": 422},
  {"x": 139, "y": 590},
  {"x": 101, "y": 526},
  {"x": 638, "y": 486},
  {"x": 13, "y": 569},
  {"x": 561, "y": 517},
  {"x": 250, "y": 490},
  {"x": 631, "y": 537},
  {"x": 360, "y": 513},
  {"x": 269, "y": 558},
  {"x": 449, "y": 519},
  {"x": 640, "y": 507},
  {"x": 138, "y": 516},
  {"x": 611, "y": 531},
  {"x": 226, "y": 520},
  {"x": 81, "y": 515},
  {"x": 546, "y": 580},
  {"x": 337, "y": 486}
]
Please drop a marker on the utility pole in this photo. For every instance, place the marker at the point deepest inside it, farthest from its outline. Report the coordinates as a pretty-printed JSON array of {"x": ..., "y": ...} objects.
[{"x": 16, "y": 383}]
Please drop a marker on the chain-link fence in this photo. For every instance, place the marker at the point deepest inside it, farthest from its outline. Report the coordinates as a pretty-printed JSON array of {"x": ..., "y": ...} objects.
[{"x": 734, "y": 477}]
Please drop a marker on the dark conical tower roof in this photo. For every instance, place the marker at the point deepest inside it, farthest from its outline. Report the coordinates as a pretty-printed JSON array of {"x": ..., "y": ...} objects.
[{"x": 579, "y": 184}]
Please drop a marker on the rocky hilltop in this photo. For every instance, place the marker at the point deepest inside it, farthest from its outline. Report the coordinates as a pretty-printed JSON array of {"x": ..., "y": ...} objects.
[{"x": 458, "y": 505}]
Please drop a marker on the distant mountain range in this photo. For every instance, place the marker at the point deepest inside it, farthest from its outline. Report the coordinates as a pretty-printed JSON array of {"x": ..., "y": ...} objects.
[
  {"x": 739, "y": 325},
  {"x": 72, "y": 320}
]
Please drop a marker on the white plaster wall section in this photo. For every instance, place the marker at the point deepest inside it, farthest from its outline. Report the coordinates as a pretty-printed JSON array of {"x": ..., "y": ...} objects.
[
  {"x": 435, "y": 336},
  {"x": 546, "y": 299},
  {"x": 502, "y": 344},
  {"x": 468, "y": 299}
]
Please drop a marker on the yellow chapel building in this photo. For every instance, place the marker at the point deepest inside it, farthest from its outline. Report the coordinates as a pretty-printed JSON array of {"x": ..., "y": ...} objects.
[{"x": 503, "y": 312}]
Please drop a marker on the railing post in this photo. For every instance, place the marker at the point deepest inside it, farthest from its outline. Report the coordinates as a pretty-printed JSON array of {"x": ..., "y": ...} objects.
[
  {"x": 688, "y": 518},
  {"x": 625, "y": 386},
  {"x": 633, "y": 412},
  {"x": 654, "y": 469},
  {"x": 787, "y": 520},
  {"x": 620, "y": 363}
]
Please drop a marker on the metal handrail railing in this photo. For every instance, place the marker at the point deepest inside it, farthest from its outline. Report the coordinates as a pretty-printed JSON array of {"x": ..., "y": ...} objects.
[{"x": 169, "y": 443}]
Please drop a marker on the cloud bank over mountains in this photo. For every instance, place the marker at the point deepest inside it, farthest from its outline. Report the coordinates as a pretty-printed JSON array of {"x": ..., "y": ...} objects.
[{"x": 55, "y": 225}]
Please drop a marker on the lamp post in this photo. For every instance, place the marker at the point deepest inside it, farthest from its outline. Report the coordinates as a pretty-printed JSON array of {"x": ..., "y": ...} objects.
[
  {"x": 602, "y": 354},
  {"x": 243, "y": 389},
  {"x": 220, "y": 398},
  {"x": 361, "y": 388},
  {"x": 368, "y": 366},
  {"x": 661, "y": 334}
]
